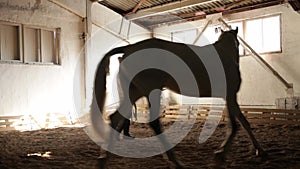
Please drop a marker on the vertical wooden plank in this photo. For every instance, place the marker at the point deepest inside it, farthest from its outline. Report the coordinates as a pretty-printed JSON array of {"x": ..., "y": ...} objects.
[
  {"x": 0, "y": 41},
  {"x": 225, "y": 113},
  {"x": 57, "y": 46},
  {"x": 7, "y": 124},
  {"x": 190, "y": 111},
  {"x": 21, "y": 42},
  {"x": 245, "y": 114},
  {"x": 39, "y": 48}
]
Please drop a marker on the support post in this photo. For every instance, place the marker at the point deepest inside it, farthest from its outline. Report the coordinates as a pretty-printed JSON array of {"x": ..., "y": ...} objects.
[
  {"x": 128, "y": 30},
  {"x": 121, "y": 26},
  {"x": 87, "y": 47},
  {"x": 288, "y": 86},
  {"x": 200, "y": 34}
]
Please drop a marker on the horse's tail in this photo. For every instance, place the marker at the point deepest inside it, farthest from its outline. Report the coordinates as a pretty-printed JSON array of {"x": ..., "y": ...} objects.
[{"x": 100, "y": 78}]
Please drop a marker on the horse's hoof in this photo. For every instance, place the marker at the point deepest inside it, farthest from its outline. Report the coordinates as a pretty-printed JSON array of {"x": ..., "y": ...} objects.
[
  {"x": 176, "y": 165},
  {"x": 219, "y": 158},
  {"x": 262, "y": 154},
  {"x": 128, "y": 137},
  {"x": 216, "y": 166},
  {"x": 180, "y": 165},
  {"x": 101, "y": 163},
  {"x": 219, "y": 154},
  {"x": 173, "y": 161}
]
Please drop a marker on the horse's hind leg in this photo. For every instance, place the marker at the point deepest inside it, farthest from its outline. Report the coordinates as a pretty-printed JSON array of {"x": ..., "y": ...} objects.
[
  {"x": 117, "y": 121},
  {"x": 154, "y": 104}
]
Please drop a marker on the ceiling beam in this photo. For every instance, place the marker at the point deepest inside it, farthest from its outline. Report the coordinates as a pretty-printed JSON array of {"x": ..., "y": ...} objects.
[
  {"x": 225, "y": 11},
  {"x": 252, "y": 7},
  {"x": 136, "y": 7},
  {"x": 233, "y": 4},
  {"x": 229, "y": 6},
  {"x": 166, "y": 8},
  {"x": 295, "y": 4}
]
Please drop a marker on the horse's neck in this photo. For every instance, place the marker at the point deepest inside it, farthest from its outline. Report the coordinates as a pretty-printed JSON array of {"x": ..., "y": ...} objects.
[{"x": 228, "y": 49}]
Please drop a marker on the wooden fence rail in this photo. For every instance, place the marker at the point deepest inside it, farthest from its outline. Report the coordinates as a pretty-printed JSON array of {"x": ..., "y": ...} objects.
[
  {"x": 261, "y": 115},
  {"x": 30, "y": 122},
  {"x": 201, "y": 112},
  {"x": 6, "y": 122}
]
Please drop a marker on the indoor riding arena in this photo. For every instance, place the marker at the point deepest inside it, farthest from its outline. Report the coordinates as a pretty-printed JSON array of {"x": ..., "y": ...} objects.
[{"x": 150, "y": 84}]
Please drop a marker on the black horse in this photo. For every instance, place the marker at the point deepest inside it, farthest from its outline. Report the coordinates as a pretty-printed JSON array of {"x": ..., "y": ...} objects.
[{"x": 142, "y": 84}]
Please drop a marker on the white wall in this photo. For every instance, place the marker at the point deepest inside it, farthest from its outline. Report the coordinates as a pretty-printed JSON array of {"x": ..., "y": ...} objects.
[
  {"x": 259, "y": 86},
  {"x": 41, "y": 89}
]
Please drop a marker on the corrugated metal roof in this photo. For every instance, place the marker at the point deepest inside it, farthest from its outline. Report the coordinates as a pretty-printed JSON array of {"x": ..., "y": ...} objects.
[
  {"x": 128, "y": 5},
  {"x": 166, "y": 11}
]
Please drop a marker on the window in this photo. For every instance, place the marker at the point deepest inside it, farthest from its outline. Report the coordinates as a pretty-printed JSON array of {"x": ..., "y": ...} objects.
[
  {"x": 210, "y": 35},
  {"x": 40, "y": 45},
  {"x": 10, "y": 42},
  {"x": 263, "y": 34},
  {"x": 48, "y": 46},
  {"x": 31, "y": 45},
  {"x": 187, "y": 36}
]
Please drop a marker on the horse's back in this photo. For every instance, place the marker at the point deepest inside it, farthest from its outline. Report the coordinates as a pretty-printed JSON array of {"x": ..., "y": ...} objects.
[
  {"x": 201, "y": 61},
  {"x": 177, "y": 63}
]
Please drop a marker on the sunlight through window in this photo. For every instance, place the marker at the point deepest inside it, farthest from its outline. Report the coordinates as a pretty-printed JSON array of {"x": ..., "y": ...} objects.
[{"x": 263, "y": 34}]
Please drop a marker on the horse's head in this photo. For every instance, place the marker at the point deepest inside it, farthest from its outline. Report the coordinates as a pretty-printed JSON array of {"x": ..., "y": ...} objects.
[
  {"x": 230, "y": 36},
  {"x": 229, "y": 40}
]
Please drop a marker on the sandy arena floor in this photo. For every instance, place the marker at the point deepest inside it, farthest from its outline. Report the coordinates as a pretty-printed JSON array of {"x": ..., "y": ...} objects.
[{"x": 72, "y": 148}]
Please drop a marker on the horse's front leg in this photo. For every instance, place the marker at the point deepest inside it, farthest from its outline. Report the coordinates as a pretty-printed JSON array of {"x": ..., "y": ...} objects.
[
  {"x": 220, "y": 154},
  {"x": 242, "y": 119},
  {"x": 102, "y": 159},
  {"x": 154, "y": 104}
]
